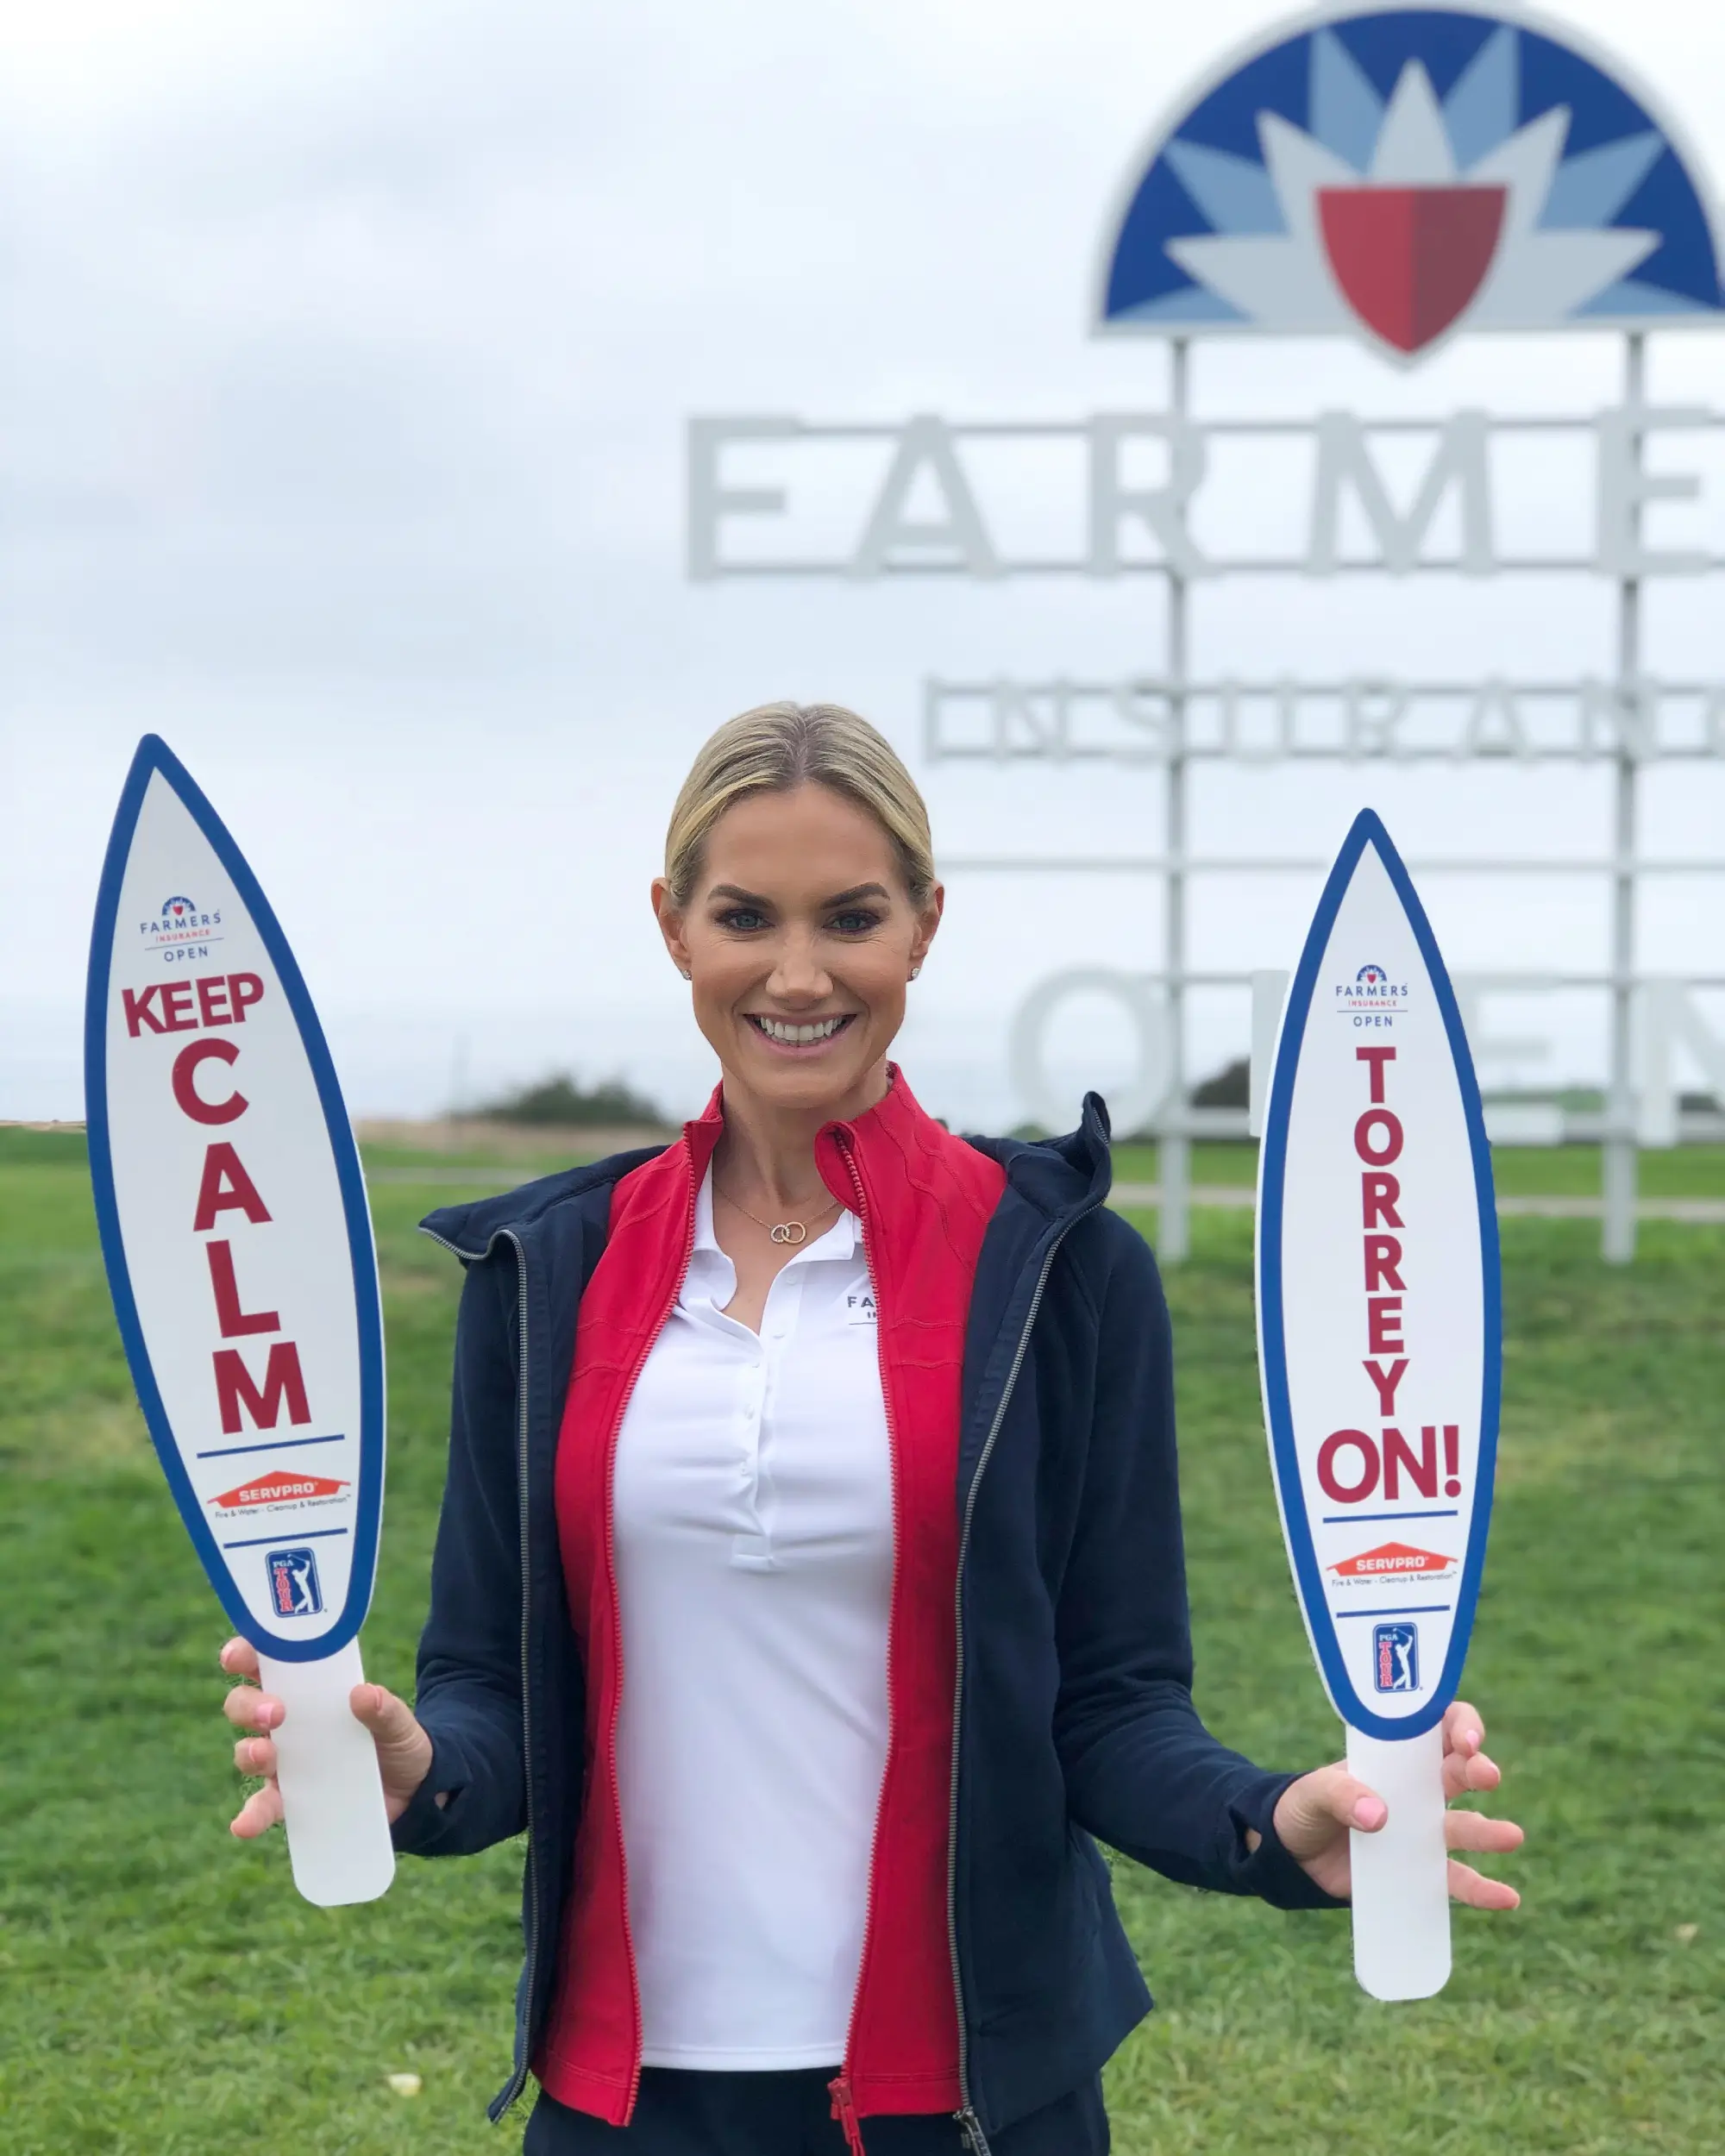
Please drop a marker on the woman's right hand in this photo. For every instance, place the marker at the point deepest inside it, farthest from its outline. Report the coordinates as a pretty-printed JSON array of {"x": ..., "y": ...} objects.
[{"x": 403, "y": 1750}]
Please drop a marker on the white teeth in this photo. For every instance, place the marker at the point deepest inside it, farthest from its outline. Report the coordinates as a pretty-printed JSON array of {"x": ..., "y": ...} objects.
[{"x": 796, "y": 1036}]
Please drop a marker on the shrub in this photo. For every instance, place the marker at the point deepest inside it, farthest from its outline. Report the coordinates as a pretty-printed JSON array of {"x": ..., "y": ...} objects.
[{"x": 558, "y": 1098}]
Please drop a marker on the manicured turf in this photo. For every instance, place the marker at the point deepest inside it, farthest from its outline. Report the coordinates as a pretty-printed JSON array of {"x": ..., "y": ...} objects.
[
  {"x": 1520, "y": 1171},
  {"x": 163, "y": 1992}
]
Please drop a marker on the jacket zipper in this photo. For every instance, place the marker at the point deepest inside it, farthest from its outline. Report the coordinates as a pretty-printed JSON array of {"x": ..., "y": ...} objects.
[
  {"x": 970, "y": 2126},
  {"x": 616, "y": 1635},
  {"x": 518, "y": 2080},
  {"x": 843, "y": 2107}
]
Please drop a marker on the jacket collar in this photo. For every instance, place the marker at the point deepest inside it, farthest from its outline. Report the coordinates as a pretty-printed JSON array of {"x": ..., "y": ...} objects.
[
  {"x": 1060, "y": 1177},
  {"x": 895, "y": 1123},
  {"x": 470, "y": 1230}
]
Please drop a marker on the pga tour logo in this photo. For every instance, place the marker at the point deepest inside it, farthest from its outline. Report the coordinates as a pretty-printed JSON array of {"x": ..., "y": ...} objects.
[
  {"x": 293, "y": 1585},
  {"x": 1396, "y": 1658},
  {"x": 1403, "y": 174}
]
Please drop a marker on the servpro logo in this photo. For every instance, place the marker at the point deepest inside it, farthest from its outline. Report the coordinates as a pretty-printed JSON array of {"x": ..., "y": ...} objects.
[
  {"x": 1394, "y": 1560},
  {"x": 271, "y": 1491}
]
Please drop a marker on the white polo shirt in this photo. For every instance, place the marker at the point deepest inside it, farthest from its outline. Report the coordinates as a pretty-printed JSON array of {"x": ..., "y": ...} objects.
[{"x": 753, "y": 1511}]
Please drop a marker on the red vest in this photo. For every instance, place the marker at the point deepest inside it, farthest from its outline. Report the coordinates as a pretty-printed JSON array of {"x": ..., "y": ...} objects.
[{"x": 925, "y": 1200}]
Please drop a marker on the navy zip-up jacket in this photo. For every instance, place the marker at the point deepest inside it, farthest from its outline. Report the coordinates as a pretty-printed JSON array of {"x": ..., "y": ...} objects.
[{"x": 1076, "y": 1722}]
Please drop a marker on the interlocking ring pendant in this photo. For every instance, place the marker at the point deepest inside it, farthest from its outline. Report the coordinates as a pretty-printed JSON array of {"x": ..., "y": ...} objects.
[{"x": 787, "y": 1232}]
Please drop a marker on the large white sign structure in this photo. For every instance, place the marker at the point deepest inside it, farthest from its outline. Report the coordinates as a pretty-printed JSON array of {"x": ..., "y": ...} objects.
[
  {"x": 1403, "y": 177},
  {"x": 1149, "y": 492}
]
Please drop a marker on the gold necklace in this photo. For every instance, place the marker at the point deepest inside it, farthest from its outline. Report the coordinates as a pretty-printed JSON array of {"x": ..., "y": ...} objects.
[{"x": 792, "y": 1232}]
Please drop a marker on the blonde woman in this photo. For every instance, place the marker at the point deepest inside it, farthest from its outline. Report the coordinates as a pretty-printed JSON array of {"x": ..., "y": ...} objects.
[{"x": 809, "y": 1582}]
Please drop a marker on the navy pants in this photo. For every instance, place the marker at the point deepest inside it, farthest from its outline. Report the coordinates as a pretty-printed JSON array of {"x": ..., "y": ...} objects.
[{"x": 681, "y": 2113}]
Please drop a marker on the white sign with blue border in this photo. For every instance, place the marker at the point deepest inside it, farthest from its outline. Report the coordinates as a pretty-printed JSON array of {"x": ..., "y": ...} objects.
[
  {"x": 1379, "y": 1309},
  {"x": 238, "y": 1245}
]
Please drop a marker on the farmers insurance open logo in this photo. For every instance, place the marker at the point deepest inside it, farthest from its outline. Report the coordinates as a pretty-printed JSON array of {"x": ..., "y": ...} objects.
[
  {"x": 1371, "y": 989},
  {"x": 179, "y": 924},
  {"x": 1405, "y": 175}
]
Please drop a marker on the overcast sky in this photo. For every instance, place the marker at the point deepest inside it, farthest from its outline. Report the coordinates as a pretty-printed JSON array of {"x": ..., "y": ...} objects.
[{"x": 345, "y": 359}]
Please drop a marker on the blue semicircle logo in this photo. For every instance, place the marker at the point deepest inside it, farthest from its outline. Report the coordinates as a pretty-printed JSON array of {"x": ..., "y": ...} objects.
[{"x": 1404, "y": 174}]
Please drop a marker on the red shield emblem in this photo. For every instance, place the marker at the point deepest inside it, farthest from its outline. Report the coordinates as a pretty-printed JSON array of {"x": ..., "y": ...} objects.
[{"x": 1409, "y": 259}]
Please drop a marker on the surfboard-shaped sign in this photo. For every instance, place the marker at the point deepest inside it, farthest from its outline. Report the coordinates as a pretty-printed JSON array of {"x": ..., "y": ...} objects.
[
  {"x": 1379, "y": 1332},
  {"x": 238, "y": 1246}
]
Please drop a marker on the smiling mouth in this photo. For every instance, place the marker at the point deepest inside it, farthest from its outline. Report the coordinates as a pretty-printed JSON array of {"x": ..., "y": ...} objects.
[{"x": 787, "y": 1035}]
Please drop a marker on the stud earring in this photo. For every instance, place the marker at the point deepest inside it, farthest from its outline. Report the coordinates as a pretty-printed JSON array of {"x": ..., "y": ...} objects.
[
  {"x": 915, "y": 970},
  {"x": 685, "y": 972}
]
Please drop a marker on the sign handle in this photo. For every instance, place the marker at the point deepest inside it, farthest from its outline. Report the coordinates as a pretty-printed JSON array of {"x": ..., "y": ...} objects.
[
  {"x": 1400, "y": 1874},
  {"x": 332, "y": 1796}
]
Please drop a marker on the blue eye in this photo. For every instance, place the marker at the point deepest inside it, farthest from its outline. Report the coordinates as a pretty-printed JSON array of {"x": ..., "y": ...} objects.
[
  {"x": 855, "y": 923},
  {"x": 743, "y": 919}
]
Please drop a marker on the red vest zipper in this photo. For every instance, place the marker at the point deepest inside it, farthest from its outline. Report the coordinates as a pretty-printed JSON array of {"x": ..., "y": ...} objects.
[
  {"x": 617, "y": 1632},
  {"x": 839, "y": 2088},
  {"x": 845, "y": 2112}
]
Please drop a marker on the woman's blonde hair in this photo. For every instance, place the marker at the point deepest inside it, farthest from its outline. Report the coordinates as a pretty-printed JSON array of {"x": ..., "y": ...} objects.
[{"x": 779, "y": 746}]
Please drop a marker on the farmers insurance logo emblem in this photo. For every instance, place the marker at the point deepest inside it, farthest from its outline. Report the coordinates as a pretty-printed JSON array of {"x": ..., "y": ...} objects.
[
  {"x": 1371, "y": 989},
  {"x": 1403, "y": 174},
  {"x": 179, "y": 922}
]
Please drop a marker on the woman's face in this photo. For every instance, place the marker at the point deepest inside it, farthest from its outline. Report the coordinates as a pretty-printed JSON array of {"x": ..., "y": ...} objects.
[{"x": 799, "y": 940}]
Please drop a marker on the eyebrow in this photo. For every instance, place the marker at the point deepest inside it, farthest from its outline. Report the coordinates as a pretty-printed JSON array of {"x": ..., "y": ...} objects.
[{"x": 738, "y": 895}]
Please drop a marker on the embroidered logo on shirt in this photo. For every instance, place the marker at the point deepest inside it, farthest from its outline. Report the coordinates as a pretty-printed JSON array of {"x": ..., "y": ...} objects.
[{"x": 859, "y": 1309}]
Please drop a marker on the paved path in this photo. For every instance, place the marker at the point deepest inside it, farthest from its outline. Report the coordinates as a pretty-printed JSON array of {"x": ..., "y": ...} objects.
[{"x": 1708, "y": 1212}]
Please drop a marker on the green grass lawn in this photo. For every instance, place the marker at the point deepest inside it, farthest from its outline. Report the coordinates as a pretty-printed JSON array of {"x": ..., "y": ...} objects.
[
  {"x": 1520, "y": 1171},
  {"x": 163, "y": 1991}
]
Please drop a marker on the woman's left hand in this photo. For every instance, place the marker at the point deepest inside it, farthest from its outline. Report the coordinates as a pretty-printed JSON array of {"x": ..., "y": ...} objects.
[{"x": 1314, "y": 1817}]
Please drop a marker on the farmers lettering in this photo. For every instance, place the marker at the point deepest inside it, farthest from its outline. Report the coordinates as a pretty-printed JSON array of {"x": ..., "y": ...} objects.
[
  {"x": 186, "y": 1007},
  {"x": 1352, "y": 1465}
]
